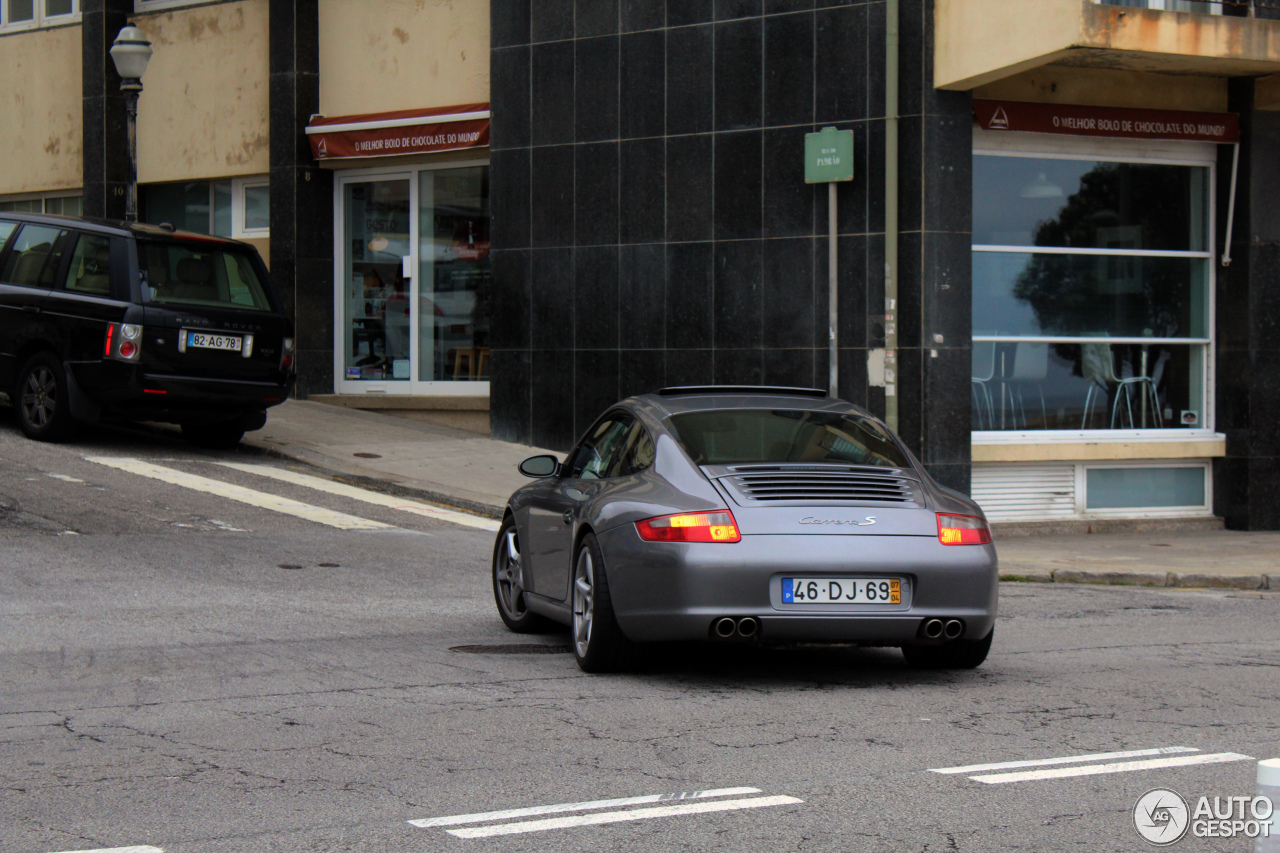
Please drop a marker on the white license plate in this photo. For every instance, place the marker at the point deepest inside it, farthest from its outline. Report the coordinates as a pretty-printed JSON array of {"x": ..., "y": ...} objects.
[
  {"x": 841, "y": 591},
  {"x": 200, "y": 340}
]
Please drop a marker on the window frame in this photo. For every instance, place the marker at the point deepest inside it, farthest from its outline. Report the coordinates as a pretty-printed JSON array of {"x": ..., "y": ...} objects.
[
  {"x": 237, "y": 188},
  {"x": 43, "y": 198},
  {"x": 987, "y": 143},
  {"x": 239, "y": 206},
  {"x": 39, "y": 17}
]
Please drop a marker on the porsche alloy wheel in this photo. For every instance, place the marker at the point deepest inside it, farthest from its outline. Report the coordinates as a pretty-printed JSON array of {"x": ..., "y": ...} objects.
[{"x": 508, "y": 582}]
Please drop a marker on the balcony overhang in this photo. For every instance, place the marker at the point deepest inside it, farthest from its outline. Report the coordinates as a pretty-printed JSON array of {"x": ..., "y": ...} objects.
[{"x": 981, "y": 41}]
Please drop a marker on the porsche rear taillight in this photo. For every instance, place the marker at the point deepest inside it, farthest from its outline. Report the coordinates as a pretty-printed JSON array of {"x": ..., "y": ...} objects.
[
  {"x": 962, "y": 529},
  {"x": 718, "y": 526}
]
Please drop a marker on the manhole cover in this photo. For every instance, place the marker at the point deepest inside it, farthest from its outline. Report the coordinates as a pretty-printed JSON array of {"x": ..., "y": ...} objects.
[
  {"x": 368, "y": 455},
  {"x": 290, "y": 566},
  {"x": 513, "y": 649},
  {"x": 329, "y": 565}
]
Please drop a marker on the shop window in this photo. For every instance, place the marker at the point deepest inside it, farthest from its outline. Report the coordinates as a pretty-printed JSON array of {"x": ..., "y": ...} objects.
[
  {"x": 1092, "y": 282},
  {"x": 238, "y": 207},
  {"x": 23, "y": 14}
]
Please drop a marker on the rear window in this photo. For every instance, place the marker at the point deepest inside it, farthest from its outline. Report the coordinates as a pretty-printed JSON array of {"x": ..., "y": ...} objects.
[
  {"x": 745, "y": 436},
  {"x": 198, "y": 274}
]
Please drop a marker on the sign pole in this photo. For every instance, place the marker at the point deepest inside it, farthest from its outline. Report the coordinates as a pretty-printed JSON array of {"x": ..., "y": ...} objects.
[
  {"x": 833, "y": 293},
  {"x": 828, "y": 159}
]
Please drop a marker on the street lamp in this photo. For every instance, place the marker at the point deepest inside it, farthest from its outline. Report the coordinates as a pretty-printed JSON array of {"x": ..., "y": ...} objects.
[{"x": 131, "y": 52}]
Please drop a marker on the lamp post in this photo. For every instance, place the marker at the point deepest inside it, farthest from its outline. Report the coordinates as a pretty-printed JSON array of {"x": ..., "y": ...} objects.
[{"x": 131, "y": 52}]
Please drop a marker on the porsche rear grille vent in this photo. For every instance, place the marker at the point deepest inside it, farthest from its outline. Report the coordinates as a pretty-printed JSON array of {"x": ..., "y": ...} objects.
[{"x": 801, "y": 486}]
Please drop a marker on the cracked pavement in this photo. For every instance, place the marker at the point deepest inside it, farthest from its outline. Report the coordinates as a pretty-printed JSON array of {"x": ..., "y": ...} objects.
[{"x": 163, "y": 681}]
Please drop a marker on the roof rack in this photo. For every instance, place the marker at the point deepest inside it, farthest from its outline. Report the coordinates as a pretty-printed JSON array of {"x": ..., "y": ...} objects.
[{"x": 770, "y": 390}]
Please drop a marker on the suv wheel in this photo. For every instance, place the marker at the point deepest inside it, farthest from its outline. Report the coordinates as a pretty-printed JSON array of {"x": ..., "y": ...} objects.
[
  {"x": 216, "y": 436},
  {"x": 44, "y": 410}
]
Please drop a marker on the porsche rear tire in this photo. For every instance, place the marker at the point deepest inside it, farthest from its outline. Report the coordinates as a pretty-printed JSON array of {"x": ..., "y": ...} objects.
[
  {"x": 598, "y": 643},
  {"x": 957, "y": 654}
]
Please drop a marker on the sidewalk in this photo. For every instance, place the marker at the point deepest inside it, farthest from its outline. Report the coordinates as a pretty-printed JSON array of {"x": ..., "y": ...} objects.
[{"x": 477, "y": 473}]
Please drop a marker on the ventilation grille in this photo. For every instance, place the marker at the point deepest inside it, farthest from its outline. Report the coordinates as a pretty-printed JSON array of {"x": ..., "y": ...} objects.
[
  {"x": 786, "y": 483},
  {"x": 1008, "y": 493}
]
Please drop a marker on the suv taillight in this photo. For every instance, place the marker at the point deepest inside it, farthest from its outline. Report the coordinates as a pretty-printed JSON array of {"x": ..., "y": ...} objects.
[
  {"x": 123, "y": 342},
  {"x": 286, "y": 354},
  {"x": 962, "y": 529}
]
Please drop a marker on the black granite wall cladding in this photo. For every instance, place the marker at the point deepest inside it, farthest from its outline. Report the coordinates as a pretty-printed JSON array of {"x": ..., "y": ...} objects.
[
  {"x": 1247, "y": 481},
  {"x": 106, "y": 142},
  {"x": 652, "y": 225},
  {"x": 301, "y": 233}
]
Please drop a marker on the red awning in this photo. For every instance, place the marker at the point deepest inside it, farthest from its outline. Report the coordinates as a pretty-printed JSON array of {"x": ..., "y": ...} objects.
[
  {"x": 401, "y": 132},
  {"x": 1121, "y": 122}
]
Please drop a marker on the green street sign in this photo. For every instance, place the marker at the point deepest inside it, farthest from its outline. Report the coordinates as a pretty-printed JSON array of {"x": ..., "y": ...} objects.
[{"x": 828, "y": 156}]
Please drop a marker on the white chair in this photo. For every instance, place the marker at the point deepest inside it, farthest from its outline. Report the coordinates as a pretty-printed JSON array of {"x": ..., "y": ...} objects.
[
  {"x": 982, "y": 372},
  {"x": 1099, "y": 370},
  {"x": 1030, "y": 364}
]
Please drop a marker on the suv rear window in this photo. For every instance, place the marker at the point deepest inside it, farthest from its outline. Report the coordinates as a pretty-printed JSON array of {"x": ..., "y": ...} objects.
[
  {"x": 745, "y": 436},
  {"x": 199, "y": 274}
]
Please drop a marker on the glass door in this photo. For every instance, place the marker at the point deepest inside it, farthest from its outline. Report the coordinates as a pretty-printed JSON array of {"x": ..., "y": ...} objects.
[
  {"x": 376, "y": 295},
  {"x": 413, "y": 279}
]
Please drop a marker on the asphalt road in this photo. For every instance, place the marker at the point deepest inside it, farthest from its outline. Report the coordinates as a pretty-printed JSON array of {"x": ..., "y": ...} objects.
[{"x": 189, "y": 672}]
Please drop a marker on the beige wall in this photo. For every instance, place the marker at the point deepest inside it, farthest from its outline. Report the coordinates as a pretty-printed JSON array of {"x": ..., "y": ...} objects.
[
  {"x": 1134, "y": 89},
  {"x": 978, "y": 42},
  {"x": 381, "y": 55},
  {"x": 40, "y": 132},
  {"x": 205, "y": 109}
]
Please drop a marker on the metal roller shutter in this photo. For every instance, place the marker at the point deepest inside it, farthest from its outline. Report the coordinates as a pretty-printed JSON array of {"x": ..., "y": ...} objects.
[{"x": 1025, "y": 492}]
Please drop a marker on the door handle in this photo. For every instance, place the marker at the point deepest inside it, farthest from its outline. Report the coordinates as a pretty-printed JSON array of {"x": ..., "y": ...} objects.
[
  {"x": 567, "y": 516},
  {"x": 31, "y": 309}
]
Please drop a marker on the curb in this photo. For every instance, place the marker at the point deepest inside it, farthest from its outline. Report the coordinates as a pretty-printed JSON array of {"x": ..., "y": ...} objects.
[{"x": 1166, "y": 579}]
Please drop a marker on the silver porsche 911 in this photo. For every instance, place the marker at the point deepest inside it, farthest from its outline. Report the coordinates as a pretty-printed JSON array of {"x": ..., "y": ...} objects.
[{"x": 728, "y": 513}]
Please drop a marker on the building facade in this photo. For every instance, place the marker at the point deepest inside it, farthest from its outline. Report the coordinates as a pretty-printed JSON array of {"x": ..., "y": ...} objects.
[{"x": 506, "y": 214}]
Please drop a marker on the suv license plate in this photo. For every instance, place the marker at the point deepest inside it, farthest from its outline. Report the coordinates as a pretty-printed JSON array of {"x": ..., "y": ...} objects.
[
  {"x": 841, "y": 591},
  {"x": 200, "y": 340}
]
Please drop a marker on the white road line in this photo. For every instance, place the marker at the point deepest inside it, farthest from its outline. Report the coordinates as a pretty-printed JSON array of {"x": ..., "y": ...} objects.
[
  {"x": 142, "y": 849},
  {"x": 1070, "y": 759},
  {"x": 454, "y": 820},
  {"x": 64, "y": 478},
  {"x": 263, "y": 500},
  {"x": 1119, "y": 767},
  {"x": 356, "y": 493},
  {"x": 619, "y": 817}
]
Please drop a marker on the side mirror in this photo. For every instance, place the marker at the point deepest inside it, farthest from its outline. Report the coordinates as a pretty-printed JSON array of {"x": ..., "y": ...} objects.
[{"x": 540, "y": 466}]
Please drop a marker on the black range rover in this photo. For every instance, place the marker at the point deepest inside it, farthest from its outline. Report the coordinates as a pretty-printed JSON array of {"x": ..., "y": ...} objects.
[{"x": 124, "y": 321}]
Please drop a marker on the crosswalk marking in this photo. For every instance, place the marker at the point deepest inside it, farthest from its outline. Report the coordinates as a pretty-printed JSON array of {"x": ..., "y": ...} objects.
[
  {"x": 618, "y": 817},
  {"x": 1118, "y": 767},
  {"x": 139, "y": 849},
  {"x": 262, "y": 500},
  {"x": 1070, "y": 759},
  {"x": 454, "y": 820},
  {"x": 355, "y": 493}
]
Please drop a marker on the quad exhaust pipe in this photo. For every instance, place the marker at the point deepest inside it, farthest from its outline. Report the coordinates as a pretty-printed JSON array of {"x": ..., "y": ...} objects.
[
  {"x": 745, "y": 627},
  {"x": 950, "y": 629}
]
